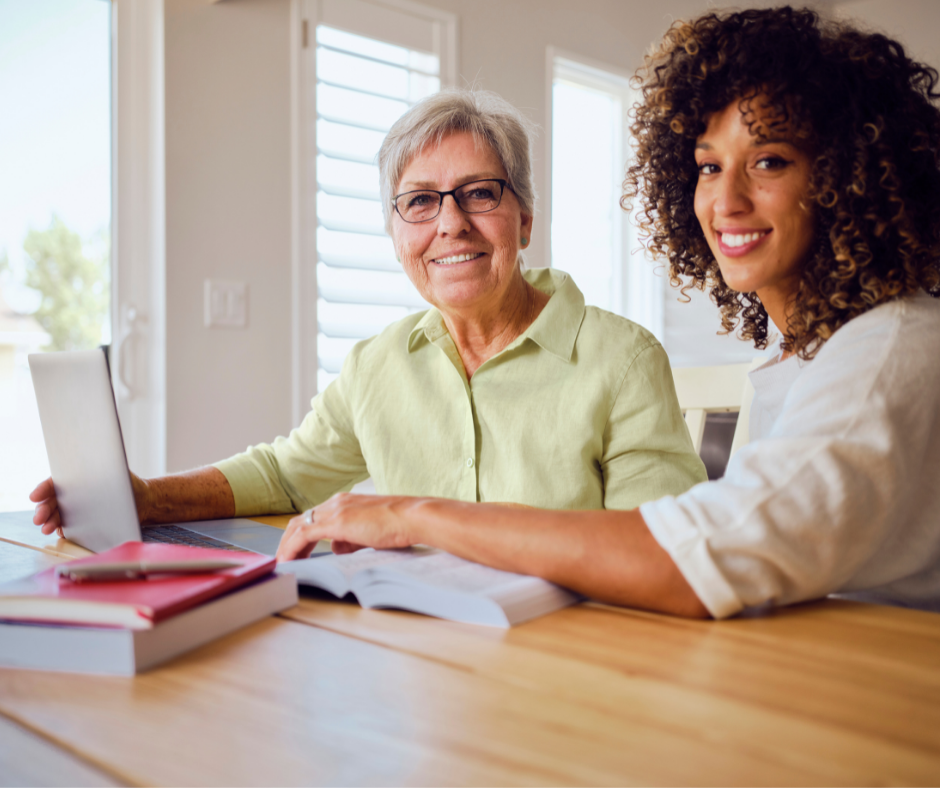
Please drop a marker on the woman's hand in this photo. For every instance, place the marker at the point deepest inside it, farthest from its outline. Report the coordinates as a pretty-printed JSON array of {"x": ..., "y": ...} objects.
[
  {"x": 351, "y": 522},
  {"x": 47, "y": 507},
  {"x": 48, "y": 517}
]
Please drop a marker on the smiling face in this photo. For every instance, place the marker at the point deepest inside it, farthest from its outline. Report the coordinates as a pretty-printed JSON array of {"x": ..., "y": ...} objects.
[
  {"x": 749, "y": 201},
  {"x": 460, "y": 261}
]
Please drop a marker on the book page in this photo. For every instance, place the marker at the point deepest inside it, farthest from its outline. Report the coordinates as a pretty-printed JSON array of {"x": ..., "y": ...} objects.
[
  {"x": 353, "y": 563},
  {"x": 335, "y": 573},
  {"x": 455, "y": 574}
]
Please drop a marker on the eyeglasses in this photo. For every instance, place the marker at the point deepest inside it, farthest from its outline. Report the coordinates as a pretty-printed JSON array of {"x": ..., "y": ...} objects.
[{"x": 474, "y": 197}]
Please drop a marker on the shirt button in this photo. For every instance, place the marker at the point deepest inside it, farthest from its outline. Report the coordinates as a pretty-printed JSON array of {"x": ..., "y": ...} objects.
[{"x": 469, "y": 462}]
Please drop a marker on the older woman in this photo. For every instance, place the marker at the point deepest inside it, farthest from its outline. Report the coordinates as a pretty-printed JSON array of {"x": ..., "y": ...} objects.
[
  {"x": 509, "y": 389},
  {"x": 793, "y": 167}
]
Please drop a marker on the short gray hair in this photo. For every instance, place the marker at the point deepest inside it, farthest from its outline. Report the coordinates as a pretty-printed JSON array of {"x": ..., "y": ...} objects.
[{"x": 489, "y": 117}]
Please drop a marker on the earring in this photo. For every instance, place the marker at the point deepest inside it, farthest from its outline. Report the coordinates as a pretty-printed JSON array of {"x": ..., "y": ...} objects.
[{"x": 525, "y": 241}]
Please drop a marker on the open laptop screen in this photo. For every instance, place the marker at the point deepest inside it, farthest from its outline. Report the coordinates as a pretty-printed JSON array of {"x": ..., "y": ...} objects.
[{"x": 86, "y": 453}]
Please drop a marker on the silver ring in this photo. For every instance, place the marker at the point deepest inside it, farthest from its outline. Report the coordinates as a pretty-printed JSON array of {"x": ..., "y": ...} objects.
[{"x": 308, "y": 517}]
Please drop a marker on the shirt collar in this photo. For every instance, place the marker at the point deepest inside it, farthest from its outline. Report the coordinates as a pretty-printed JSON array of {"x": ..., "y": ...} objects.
[
  {"x": 429, "y": 328},
  {"x": 555, "y": 329}
]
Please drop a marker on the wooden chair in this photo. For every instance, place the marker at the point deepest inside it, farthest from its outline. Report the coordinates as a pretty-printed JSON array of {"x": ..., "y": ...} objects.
[{"x": 724, "y": 389}]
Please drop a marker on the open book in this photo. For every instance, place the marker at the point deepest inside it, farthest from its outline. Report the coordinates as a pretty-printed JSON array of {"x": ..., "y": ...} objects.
[{"x": 429, "y": 581}]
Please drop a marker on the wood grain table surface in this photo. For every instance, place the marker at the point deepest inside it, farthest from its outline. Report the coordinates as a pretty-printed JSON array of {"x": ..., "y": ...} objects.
[{"x": 827, "y": 693}]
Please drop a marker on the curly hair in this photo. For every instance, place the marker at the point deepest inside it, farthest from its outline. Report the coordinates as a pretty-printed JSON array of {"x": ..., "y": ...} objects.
[{"x": 862, "y": 109}]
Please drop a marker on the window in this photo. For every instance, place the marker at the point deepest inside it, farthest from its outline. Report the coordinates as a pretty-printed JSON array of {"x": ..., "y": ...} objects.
[
  {"x": 591, "y": 237},
  {"x": 363, "y": 86},
  {"x": 587, "y": 148},
  {"x": 55, "y": 209}
]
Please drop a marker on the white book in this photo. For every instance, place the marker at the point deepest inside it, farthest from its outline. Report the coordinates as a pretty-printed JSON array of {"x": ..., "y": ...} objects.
[
  {"x": 124, "y": 652},
  {"x": 430, "y": 581}
]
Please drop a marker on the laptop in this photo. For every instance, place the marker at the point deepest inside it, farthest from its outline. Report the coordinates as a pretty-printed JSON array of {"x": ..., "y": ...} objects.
[{"x": 89, "y": 465}]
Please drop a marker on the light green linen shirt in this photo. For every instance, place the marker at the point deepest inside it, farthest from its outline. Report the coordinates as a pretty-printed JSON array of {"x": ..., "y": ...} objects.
[{"x": 579, "y": 412}]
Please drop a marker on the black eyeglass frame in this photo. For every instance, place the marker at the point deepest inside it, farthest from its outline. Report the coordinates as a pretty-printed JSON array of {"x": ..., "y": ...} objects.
[{"x": 503, "y": 184}]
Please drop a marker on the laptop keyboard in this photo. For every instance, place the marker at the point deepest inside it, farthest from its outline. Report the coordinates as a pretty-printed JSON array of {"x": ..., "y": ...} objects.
[{"x": 173, "y": 534}]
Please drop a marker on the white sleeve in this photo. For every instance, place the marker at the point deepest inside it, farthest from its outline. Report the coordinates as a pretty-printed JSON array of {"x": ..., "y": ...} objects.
[{"x": 803, "y": 512}]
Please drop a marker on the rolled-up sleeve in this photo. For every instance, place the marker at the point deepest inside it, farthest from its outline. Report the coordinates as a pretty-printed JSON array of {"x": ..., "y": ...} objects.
[
  {"x": 833, "y": 499},
  {"x": 793, "y": 519}
]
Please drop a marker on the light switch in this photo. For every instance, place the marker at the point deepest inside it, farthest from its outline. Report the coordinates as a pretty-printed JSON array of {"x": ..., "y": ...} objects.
[{"x": 226, "y": 304}]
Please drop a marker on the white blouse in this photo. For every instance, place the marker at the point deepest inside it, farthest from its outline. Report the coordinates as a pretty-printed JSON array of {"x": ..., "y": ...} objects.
[
  {"x": 839, "y": 489},
  {"x": 772, "y": 383}
]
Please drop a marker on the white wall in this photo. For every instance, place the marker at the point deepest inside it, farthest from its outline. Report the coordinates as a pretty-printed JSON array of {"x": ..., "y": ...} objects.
[
  {"x": 915, "y": 23},
  {"x": 227, "y": 217},
  {"x": 228, "y": 179}
]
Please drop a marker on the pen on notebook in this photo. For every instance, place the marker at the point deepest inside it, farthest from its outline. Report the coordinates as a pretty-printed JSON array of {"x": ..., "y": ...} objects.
[{"x": 134, "y": 570}]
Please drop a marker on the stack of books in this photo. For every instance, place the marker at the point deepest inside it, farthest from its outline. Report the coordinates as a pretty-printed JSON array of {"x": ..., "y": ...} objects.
[{"x": 134, "y": 607}]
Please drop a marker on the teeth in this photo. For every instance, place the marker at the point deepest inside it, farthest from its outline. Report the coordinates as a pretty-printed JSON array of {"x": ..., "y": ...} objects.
[
  {"x": 740, "y": 240},
  {"x": 457, "y": 258}
]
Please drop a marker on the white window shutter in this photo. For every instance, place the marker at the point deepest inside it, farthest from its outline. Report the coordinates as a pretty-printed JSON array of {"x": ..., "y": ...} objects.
[{"x": 371, "y": 61}]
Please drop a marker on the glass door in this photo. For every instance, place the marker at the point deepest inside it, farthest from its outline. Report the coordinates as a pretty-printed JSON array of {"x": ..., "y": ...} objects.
[{"x": 55, "y": 209}]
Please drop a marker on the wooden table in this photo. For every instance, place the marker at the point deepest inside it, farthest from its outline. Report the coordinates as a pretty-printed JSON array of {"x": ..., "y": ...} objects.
[{"x": 829, "y": 693}]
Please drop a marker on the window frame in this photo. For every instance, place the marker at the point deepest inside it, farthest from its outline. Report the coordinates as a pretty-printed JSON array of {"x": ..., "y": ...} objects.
[{"x": 138, "y": 231}]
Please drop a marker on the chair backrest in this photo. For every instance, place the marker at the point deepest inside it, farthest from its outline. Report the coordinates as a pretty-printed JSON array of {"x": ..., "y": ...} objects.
[{"x": 723, "y": 389}]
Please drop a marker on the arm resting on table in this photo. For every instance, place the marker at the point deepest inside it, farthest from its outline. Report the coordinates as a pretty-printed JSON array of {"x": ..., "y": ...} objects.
[{"x": 610, "y": 556}]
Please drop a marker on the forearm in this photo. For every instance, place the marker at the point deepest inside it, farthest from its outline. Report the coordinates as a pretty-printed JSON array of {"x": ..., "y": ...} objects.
[
  {"x": 610, "y": 556},
  {"x": 201, "y": 494}
]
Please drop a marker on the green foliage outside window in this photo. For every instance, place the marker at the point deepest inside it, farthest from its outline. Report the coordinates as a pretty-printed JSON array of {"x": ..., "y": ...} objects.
[{"x": 74, "y": 281}]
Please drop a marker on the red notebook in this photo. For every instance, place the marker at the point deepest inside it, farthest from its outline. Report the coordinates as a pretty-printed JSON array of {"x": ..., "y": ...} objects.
[{"x": 132, "y": 604}]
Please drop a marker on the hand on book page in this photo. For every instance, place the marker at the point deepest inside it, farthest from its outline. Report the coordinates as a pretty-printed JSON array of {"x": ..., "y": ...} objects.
[{"x": 351, "y": 522}]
